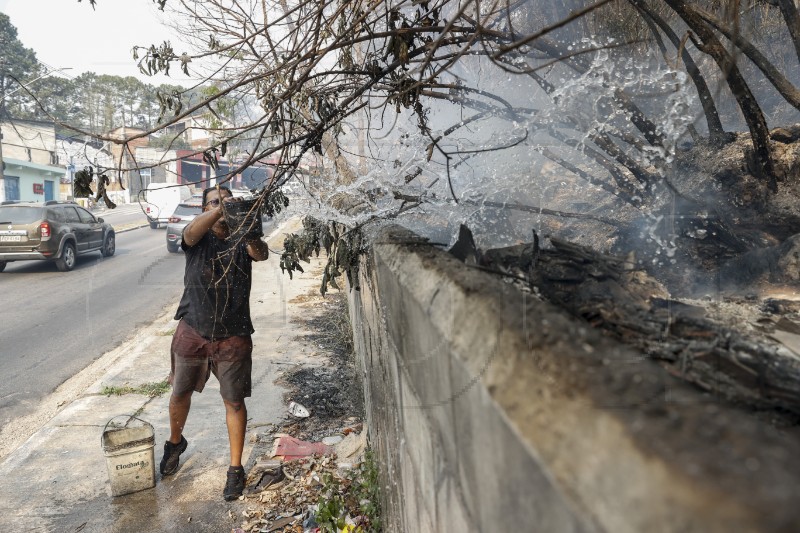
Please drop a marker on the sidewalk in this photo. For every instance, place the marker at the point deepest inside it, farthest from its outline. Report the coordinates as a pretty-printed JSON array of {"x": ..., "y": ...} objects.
[{"x": 57, "y": 480}]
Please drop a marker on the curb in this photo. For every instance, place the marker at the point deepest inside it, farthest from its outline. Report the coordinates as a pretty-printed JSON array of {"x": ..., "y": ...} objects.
[{"x": 123, "y": 229}]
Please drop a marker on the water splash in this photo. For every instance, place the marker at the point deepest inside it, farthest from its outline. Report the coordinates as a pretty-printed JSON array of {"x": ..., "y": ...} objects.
[{"x": 467, "y": 165}]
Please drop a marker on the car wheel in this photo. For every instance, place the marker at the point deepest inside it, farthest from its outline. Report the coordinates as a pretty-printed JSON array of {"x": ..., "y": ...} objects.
[
  {"x": 172, "y": 248},
  {"x": 109, "y": 245},
  {"x": 66, "y": 262},
  {"x": 3, "y": 265},
  {"x": 154, "y": 225}
]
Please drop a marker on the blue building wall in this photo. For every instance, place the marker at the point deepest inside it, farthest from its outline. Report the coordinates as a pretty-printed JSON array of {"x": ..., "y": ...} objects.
[{"x": 27, "y": 181}]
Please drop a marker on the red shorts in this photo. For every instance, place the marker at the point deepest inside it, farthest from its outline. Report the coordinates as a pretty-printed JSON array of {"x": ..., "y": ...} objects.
[{"x": 195, "y": 358}]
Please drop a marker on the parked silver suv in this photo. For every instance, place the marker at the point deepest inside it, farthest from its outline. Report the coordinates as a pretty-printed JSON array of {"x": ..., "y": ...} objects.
[
  {"x": 51, "y": 231},
  {"x": 184, "y": 213}
]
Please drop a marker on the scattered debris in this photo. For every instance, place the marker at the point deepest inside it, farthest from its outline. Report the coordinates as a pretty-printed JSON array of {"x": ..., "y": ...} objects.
[
  {"x": 789, "y": 340},
  {"x": 278, "y": 525},
  {"x": 313, "y": 492},
  {"x": 298, "y": 410},
  {"x": 331, "y": 441},
  {"x": 266, "y": 476},
  {"x": 351, "y": 449},
  {"x": 288, "y": 448},
  {"x": 314, "y": 473}
]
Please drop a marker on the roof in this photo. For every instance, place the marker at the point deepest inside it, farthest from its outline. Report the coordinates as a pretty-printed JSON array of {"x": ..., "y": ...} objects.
[
  {"x": 36, "y": 166},
  {"x": 79, "y": 139},
  {"x": 28, "y": 121},
  {"x": 34, "y": 204}
]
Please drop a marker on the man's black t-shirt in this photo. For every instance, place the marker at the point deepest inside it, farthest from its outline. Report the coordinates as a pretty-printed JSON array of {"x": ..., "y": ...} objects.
[{"x": 216, "y": 294}]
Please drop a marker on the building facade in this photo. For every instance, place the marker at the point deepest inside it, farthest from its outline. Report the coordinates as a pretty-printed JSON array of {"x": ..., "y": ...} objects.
[{"x": 31, "y": 172}]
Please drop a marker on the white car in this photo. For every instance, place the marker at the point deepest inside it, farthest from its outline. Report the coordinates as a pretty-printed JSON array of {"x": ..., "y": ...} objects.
[{"x": 160, "y": 201}]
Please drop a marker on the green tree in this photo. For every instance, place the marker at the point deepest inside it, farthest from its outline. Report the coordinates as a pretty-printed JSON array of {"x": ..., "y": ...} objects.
[
  {"x": 18, "y": 64},
  {"x": 57, "y": 98}
]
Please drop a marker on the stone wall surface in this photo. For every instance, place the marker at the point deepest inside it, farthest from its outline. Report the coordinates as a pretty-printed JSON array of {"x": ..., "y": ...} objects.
[{"x": 490, "y": 410}]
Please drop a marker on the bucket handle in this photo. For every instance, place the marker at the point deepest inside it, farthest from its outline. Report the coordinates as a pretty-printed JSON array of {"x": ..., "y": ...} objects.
[{"x": 129, "y": 417}]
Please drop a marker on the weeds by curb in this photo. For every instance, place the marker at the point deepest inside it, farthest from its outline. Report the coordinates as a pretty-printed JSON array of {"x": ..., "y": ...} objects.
[{"x": 147, "y": 389}]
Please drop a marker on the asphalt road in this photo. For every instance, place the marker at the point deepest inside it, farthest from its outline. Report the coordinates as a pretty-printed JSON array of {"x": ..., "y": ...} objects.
[
  {"x": 122, "y": 215},
  {"x": 53, "y": 324}
]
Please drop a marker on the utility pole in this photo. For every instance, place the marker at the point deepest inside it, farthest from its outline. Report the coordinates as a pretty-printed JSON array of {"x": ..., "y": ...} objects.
[
  {"x": 2, "y": 165},
  {"x": 2, "y": 113},
  {"x": 71, "y": 170}
]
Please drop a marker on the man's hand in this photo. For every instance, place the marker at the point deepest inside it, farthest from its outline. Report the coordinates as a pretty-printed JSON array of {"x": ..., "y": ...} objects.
[
  {"x": 212, "y": 212},
  {"x": 201, "y": 224}
]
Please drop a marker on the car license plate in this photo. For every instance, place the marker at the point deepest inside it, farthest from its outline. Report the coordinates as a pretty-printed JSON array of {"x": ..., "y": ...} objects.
[{"x": 10, "y": 238}]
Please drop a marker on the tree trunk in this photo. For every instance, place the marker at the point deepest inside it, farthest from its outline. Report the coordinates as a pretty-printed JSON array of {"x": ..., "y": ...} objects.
[
  {"x": 792, "y": 18},
  {"x": 717, "y": 135},
  {"x": 789, "y": 92},
  {"x": 744, "y": 97}
]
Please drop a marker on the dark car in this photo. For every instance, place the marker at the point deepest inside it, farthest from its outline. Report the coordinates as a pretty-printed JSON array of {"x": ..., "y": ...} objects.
[
  {"x": 183, "y": 214},
  {"x": 51, "y": 231}
]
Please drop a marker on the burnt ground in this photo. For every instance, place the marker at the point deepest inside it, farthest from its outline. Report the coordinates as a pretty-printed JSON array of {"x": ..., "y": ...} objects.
[
  {"x": 304, "y": 493},
  {"x": 331, "y": 391}
]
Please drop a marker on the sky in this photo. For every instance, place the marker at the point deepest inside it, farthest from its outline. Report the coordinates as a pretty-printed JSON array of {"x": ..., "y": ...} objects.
[{"x": 66, "y": 33}]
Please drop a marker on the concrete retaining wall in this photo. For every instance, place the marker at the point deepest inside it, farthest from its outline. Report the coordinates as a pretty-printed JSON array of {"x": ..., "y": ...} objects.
[{"x": 492, "y": 411}]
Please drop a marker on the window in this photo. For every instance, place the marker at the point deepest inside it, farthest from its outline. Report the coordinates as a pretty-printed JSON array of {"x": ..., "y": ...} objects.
[
  {"x": 10, "y": 214},
  {"x": 12, "y": 187},
  {"x": 146, "y": 175},
  {"x": 185, "y": 209},
  {"x": 56, "y": 215},
  {"x": 70, "y": 215},
  {"x": 86, "y": 216}
]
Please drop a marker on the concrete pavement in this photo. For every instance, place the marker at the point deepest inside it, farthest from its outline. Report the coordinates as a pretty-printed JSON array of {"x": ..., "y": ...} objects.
[{"x": 57, "y": 480}]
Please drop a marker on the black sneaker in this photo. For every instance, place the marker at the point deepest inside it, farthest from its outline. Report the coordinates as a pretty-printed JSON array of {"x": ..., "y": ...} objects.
[
  {"x": 172, "y": 455},
  {"x": 235, "y": 484}
]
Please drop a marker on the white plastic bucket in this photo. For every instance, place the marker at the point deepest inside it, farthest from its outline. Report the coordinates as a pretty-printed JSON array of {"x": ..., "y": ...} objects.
[{"x": 129, "y": 456}]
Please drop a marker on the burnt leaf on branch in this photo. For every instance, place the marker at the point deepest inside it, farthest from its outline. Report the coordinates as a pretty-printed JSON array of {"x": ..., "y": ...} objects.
[
  {"x": 82, "y": 185},
  {"x": 300, "y": 247},
  {"x": 275, "y": 203},
  {"x": 168, "y": 102},
  {"x": 343, "y": 247},
  {"x": 102, "y": 183},
  {"x": 210, "y": 158},
  {"x": 156, "y": 58}
]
